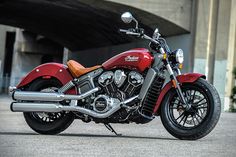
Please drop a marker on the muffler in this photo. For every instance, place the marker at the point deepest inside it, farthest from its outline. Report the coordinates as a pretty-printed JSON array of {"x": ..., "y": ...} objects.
[
  {"x": 43, "y": 96},
  {"x": 35, "y": 107},
  {"x": 55, "y": 107}
]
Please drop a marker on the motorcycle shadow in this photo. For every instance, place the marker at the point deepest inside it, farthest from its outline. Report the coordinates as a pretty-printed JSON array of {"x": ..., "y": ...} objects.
[
  {"x": 92, "y": 135},
  {"x": 120, "y": 136}
]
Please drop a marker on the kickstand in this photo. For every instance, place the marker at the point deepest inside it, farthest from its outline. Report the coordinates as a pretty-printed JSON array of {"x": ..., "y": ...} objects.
[{"x": 109, "y": 127}]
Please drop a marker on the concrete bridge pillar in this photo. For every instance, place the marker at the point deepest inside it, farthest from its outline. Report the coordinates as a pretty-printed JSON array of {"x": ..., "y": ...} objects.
[
  {"x": 229, "y": 24},
  {"x": 22, "y": 63},
  {"x": 29, "y": 52},
  {"x": 215, "y": 44}
]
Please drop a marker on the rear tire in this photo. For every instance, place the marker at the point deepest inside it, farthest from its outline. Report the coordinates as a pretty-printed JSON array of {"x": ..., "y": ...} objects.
[
  {"x": 198, "y": 122},
  {"x": 53, "y": 123}
]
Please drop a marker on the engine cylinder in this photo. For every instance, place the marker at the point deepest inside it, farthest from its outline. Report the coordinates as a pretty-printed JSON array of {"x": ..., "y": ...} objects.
[{"x": 120, "y": 84}]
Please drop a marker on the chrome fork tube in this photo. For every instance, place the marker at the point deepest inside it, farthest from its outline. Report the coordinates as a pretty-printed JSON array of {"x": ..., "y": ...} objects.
[
  {"x": 177, "y": 87},
  {"x": 175, "y": 82},
  {"x": 178, "y": 71}
]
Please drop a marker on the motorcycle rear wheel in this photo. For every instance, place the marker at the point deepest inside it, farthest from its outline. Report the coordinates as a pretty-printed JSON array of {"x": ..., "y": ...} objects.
[
  {"x": 200, "y": 119},
  {"x": 47, "y": 123}
]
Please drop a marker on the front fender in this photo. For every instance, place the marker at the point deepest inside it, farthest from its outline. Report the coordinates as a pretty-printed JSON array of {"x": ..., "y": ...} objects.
[
  {"x": 185, "y": 78},
  {"x": 46, "y": 71}
]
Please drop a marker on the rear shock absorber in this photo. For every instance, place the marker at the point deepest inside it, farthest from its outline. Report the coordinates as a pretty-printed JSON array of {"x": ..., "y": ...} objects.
[{"x": 67, "y": 86}]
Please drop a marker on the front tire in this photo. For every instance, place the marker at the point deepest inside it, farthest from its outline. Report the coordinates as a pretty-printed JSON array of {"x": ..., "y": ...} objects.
[
  {"x": 200, "y": 119},
  {"x": 47, "y": 123}
]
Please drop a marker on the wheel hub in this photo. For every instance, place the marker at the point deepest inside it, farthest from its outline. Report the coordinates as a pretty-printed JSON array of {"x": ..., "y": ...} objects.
[
  {"x": 194, "y": 114},
  {"x": 192, "y": 110}
]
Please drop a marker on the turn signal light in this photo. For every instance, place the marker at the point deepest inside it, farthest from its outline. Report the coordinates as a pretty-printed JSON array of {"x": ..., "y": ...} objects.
[
  {"x": 174, "y": 83},
  {"x": 180, "y": 66},
  {"x": 164, "y": 56}
]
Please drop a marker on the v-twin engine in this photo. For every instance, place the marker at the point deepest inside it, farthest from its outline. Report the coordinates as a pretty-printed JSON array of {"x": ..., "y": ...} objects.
[{"x": 120, "y": 84}]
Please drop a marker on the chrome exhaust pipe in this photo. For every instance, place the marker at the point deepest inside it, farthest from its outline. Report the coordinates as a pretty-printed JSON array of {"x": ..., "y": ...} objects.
[
  {"x": 35, "y": 107},
  {"x": 11, "y": 89},
  {"x": 54, "y": 107},
  {"x": 43, "y": 96}
]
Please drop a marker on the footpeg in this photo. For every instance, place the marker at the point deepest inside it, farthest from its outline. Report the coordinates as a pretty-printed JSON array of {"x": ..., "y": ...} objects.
[{"x": 109, "y": 127}]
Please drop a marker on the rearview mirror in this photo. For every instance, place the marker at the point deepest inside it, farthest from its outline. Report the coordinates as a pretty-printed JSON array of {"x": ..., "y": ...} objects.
[
  {"x": 156, "y": 34},
  {"x": 127, "y": 17}
]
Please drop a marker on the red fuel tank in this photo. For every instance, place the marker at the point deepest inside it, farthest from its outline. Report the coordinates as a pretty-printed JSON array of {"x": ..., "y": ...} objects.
[{"x": 138, "y": 59}]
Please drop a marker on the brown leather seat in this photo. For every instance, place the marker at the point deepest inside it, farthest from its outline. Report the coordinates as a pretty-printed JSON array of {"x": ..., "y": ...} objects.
[{"x": 77, "y": 69}]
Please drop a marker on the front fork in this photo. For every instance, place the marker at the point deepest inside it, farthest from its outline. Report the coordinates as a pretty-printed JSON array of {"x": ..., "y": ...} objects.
[
  {"x": 177, "y": 87},
  {"x": 175, "y": 82}
]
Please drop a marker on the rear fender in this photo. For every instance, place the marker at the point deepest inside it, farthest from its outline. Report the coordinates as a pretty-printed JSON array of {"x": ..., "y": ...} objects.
[
  {"x": 185, "y": 78},
  {"x": 47, "y": 71}
]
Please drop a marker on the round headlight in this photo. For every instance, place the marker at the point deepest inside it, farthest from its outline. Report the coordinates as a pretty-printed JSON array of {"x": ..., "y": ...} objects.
[{"x": 179, "y": 56}]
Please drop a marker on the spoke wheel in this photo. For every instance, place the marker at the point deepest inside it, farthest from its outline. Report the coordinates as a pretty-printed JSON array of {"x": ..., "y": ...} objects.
[
  {"x": 48, "y": 117},
  {"x": 196, "y": 114},
  {"x": 45, "y": 122},
  {"x": 197, "y": 121},
  {"x": 45, "y": 117}
]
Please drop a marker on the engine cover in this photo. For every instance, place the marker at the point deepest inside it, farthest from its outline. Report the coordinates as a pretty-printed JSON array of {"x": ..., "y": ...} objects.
[
  {"x": 103, "y": 103},
  {"x": 119, "y": 78},
  {"x": 106, "y": 78}
]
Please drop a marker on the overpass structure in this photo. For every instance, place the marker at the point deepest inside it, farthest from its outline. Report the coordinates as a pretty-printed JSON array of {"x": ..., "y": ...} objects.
[
  {"x": 204, "y": 29},
  {"x": 73, "y": 23}
]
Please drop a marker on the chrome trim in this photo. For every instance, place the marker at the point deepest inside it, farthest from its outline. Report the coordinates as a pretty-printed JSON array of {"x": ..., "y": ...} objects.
[
  {"x": 119, "y": 78},
  {"x": 169, "y": 69},
  {"x": 54, "y": 107},
  {"x": 11, "y": 89},
  {"x": 178, "y": 71},
  {"x": 162, "y": 50},
  {"x": 127, "y": 17},
  {"x": 110, "y": 103},
  {"x": 147, "y": 83},
  {"x": 43, "y": 96},
  {"x": 179, "y": 56},
  {"x": 35, "y": 107},
  {"x": 156, "y": 35}
]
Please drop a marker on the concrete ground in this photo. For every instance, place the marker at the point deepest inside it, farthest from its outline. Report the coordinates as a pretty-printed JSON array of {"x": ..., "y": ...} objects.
[{"x": 80, "y": 139}]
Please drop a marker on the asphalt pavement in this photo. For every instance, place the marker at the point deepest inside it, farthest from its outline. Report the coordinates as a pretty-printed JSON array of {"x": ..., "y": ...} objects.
[{"x": 85, "y": 140}]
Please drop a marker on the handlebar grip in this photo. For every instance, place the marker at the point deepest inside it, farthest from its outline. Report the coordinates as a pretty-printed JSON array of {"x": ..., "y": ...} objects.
[
  {"x": 129, "y": 32},
  {"x": 132, "y": 33},
  {"x": 123, "y": 30}
]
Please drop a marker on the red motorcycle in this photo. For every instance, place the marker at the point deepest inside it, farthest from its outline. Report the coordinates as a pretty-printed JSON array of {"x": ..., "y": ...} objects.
[{"x": 130, "y": 87}]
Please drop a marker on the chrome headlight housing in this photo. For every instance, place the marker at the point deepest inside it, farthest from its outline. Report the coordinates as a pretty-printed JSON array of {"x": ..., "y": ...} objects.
[{"x": 179, "y": 56}]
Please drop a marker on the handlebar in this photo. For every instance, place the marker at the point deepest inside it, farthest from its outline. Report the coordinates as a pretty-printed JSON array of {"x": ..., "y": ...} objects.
[{"x": 131, "y": 32}]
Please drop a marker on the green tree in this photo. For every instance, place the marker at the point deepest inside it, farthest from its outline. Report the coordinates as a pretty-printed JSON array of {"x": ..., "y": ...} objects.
[{"x": 233, "y": 96}]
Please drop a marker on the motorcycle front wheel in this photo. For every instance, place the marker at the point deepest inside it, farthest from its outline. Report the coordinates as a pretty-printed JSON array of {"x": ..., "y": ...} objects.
[
  {"x": 43, "y": 122},
  {"x": 200, "y": 119}
]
